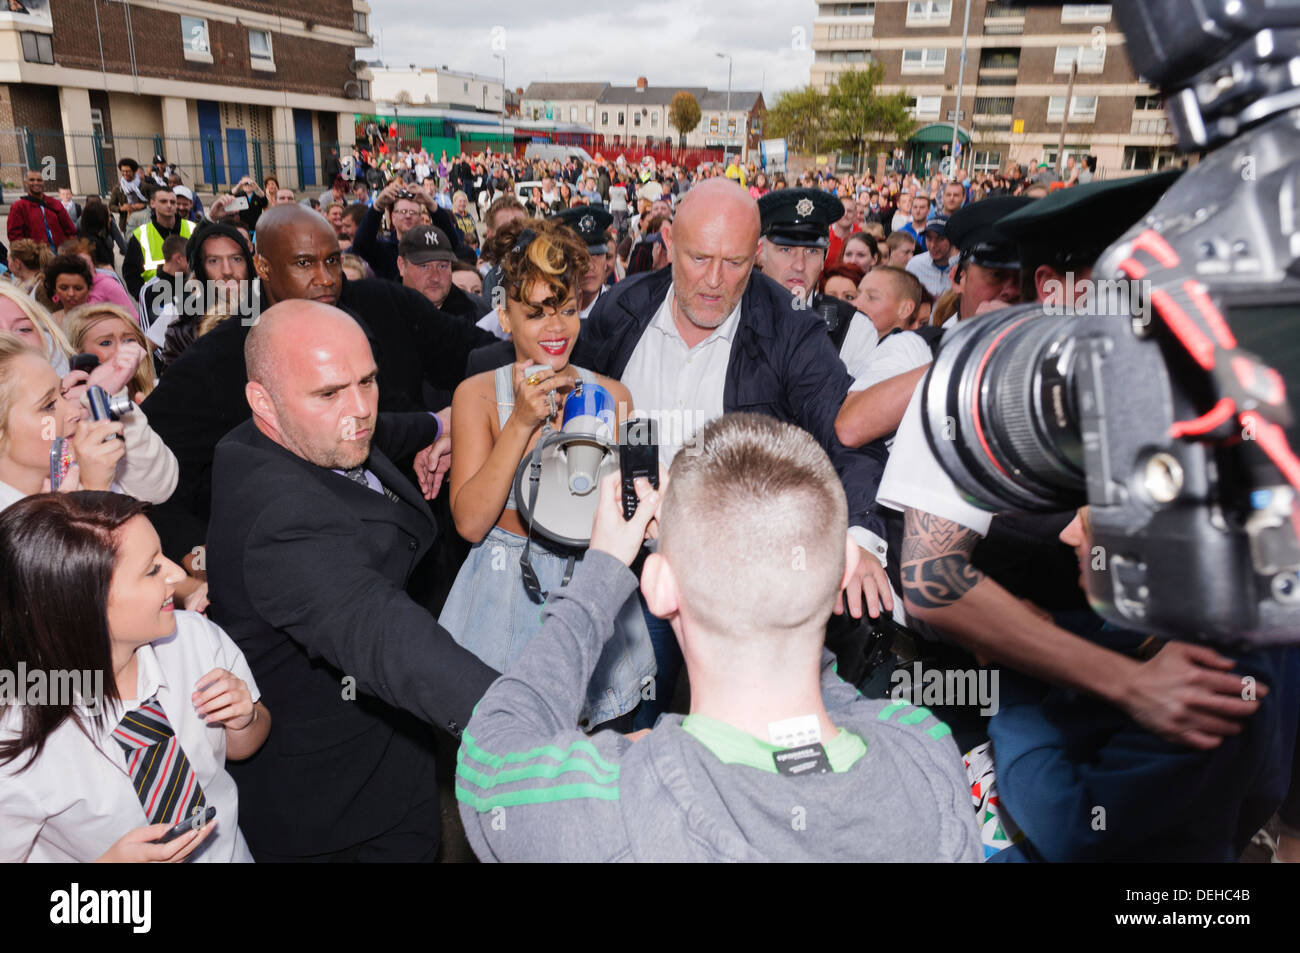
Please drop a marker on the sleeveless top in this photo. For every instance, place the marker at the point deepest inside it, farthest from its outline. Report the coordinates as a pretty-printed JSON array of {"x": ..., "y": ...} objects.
[{"x": 505, "y": 385}]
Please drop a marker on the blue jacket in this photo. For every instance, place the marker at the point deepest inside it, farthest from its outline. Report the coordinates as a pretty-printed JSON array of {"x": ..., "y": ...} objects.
[{"x": 783, "y": 364}]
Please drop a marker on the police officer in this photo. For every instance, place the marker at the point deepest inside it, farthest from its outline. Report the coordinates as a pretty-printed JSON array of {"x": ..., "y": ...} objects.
[
  {"x": 796, "y": 227},
  {"x": 592, "y": 225}
]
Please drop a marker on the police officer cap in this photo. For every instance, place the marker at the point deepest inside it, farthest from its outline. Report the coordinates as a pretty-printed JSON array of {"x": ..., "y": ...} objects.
[
  {"x": 974, "y": 229},
  {"x": 590, "y": 222},
  {"x": 1077, "y": 224},
  {"x": 799, "y": 216}
]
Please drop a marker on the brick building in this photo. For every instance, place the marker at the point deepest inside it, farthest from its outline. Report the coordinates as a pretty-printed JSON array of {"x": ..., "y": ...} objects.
[
  {"x": 1013, "y": 91},
  {"x": 222, "y": 89}
]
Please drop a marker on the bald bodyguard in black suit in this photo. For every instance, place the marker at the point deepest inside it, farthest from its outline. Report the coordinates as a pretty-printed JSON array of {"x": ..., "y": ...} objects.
[{"x": 313, "y": 539}]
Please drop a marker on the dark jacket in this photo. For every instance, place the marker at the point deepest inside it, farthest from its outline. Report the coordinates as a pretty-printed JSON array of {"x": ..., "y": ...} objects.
[
  {"x": 200, "y": 398},
  {"x": 307, "y": 572},
  {"x": 29, "y": 219},
  {"x": 133, "y": 263},
  {"x": 380, "y": 249},
  {"x": 782, "y": 364},
  {"x": 184, "y": 330}
]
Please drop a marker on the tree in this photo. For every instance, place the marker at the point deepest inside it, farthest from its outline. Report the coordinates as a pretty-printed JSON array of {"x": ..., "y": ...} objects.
[
  {"x": 859, "y": 114},
  {"x": 798, "y": 116},
  {"x": 683, "y": 114}
]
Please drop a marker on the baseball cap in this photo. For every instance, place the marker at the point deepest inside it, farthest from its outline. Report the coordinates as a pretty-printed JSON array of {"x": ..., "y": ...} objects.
[{"x": 425, "y": 243}]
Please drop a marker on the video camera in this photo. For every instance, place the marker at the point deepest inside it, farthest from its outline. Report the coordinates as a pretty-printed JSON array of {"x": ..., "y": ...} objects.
[{"x": 1171, "y": 421}]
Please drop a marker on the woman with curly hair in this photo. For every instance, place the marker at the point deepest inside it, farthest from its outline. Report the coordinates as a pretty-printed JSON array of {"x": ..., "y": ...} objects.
[{"x": 498, "y": 417}]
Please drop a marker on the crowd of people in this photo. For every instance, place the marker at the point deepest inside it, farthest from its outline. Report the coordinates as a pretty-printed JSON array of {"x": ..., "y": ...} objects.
[{"x": 294, "y": 548}]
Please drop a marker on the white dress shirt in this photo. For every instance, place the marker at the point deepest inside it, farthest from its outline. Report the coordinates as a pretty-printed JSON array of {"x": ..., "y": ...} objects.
[
  {"x": 934, "y": 279},
  {"x": 77, "y": 799},
  {"x": 680, "y": 387}
]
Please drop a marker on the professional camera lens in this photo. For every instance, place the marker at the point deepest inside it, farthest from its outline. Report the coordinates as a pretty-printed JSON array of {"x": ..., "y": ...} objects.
[{"x": 999, "y": 410}]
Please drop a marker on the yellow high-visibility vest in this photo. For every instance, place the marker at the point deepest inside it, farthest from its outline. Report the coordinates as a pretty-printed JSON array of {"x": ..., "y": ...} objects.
[{"x": 151, "y": 243}]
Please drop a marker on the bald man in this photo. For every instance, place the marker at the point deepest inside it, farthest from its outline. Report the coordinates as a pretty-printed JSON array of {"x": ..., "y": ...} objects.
[
  {"x": 315, "y": 537},
  {"x": 711, "y": 335},
  {"x": 420, "y": 352}
]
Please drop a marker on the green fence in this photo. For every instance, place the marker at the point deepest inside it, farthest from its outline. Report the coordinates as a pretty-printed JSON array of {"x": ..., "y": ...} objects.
[{"x": 87, "y": 161}]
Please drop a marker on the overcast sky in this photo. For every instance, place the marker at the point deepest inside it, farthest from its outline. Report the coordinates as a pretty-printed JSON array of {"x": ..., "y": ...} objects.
[{"x": 671, "y": 42}]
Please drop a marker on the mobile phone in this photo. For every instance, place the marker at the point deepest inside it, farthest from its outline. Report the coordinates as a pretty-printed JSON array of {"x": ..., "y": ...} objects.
[
  {"x": 638, "y": 456},
  {"x": 60, "y": 460},
  {"x": 186, "y": 824},
  {"x": 240, "y": 204},
  {"x": 83, "y": 362}
]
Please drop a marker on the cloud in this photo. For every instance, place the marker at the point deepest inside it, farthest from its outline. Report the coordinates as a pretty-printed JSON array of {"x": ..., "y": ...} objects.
[{"x": 671, "y": 42}]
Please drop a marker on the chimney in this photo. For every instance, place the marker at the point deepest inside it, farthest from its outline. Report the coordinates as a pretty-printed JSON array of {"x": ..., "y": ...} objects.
[{"x": 641, "y": 83}]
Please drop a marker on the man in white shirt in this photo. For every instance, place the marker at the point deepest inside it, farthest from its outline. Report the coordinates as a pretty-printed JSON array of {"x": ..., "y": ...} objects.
[
  {"x": 796, "y": 226},
  {"x": 709, "y": 336},
  {"x": 933, "y": 267}
]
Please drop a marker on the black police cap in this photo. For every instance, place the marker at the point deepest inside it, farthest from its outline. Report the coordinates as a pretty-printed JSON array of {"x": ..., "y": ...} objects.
[
  {"x": 590, "y": 222},
  {"x": 799, "y": 216},
  {"x": 1077, "y": 224},
  {"x": 974, "y": 230}
]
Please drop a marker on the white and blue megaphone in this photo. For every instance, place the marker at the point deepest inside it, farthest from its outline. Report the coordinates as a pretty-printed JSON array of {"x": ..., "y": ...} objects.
[{"x": 556, "y": 485}]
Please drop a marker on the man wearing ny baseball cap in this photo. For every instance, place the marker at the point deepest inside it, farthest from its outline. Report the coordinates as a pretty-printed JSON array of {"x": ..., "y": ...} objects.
[{"x": 424, "y": 259}]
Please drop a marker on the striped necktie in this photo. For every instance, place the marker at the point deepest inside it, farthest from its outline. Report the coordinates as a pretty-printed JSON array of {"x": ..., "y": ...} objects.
[
  {"x": 358, "y": 475},
  {"x": 164, "y": 779}
]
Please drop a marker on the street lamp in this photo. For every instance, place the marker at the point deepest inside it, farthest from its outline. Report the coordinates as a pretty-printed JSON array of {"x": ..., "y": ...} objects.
[
  {"x": 727, "y": 117},
  {"x": 502, "y": 58}
]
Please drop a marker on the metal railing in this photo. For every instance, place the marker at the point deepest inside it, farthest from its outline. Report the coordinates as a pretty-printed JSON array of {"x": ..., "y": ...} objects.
[{"x": 87, "y": 162}]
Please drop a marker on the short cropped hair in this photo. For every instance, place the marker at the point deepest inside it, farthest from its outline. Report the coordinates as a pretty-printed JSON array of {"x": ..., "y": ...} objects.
[
  {"x": 753, "y": 524},
  {"x": 174, "y": 245},
  {"x": 897, "y": 240},
  {"x": 906, "y": 285}
]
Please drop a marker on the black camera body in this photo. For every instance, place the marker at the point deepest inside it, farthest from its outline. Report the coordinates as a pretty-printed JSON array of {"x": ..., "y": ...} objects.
[{"x": 1164, "y": 406}]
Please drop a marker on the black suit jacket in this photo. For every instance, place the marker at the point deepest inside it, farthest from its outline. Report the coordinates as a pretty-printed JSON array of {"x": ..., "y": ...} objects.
[
  {"x": 200, "y": 398},
  {"x": 306, "y": 571},
  {"x": 782, "y": 364}
]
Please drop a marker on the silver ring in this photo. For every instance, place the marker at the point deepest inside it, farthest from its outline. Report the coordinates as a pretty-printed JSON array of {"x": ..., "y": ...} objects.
[{"x": 550, "y": 398}]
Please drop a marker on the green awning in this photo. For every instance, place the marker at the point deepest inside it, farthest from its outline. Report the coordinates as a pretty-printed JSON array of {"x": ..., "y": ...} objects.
[{"x": 938, "y": 132}]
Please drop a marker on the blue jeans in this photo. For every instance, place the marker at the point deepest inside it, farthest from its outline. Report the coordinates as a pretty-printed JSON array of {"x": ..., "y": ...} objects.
[{"x": 668, "y": 661}]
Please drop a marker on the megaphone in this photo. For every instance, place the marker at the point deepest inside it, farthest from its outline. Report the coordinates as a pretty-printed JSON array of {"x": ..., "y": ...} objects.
[{"x": 556, "y": 484}]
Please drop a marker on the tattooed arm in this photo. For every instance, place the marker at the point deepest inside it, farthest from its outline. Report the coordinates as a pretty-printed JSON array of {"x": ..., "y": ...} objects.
[{"x": 1184, "y": 693}]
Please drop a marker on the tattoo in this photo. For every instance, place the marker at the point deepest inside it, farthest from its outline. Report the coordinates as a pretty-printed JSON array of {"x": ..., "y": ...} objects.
[{"x": 935, "y": 568}]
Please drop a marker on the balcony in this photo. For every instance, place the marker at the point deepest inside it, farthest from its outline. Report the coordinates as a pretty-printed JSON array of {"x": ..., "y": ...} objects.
[
  {"x": 1003, "y": 21},
  {"x": 1149, "y": 122}
]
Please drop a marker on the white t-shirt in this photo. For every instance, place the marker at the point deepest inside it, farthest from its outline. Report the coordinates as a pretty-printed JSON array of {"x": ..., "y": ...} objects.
[
  {"x": 859, "y": 344},
  {"x": 913, "y": 476},
  {"x": 896, "y": 354},
  {"x": 77, "y": 799}
]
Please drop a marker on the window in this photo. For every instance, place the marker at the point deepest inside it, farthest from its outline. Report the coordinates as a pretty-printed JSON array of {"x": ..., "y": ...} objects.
[
  {"x": 987, "y": 161},
  {"x": 365, "y": 88},
  {"x": 259, "y": 50},
  {"x": 924, "y": 61},
  {"x": 1079, "y": 152},
  {"x": 854, "y": 10},
  {"x": 1081, "y": 107},
  {"x": 604, "y": 117},
  {"x": 636, "y": 119},
  {"x": 1148, "y": 102},
  {"x": 1090, "y": 60},
  {"x": 1000, "y": 59},
  {"x": 360, "y": 22},
  {"x": 97, "y": 124},
  {"x": 37, "y": 48},
  {"x": 849, "y": 31},
  {"x": 621, "y": 121},
  {"x": 1085, "y": 13},
  {"x": 466, "y": 89},
  {"x": 654, "y": 120},
  {"x": 194, "y": 39},
  {"x": 731, "y": 127},
  {"x": 929, "y": 12},
  {"x": 925, "y": 107}
]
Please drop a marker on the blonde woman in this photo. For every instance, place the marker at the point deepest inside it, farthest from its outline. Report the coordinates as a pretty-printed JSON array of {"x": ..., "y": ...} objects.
[
  {"x": 22, "y": 315},
  {"x": 27, "y": 260},
  {"x": 101, "y": 329}
]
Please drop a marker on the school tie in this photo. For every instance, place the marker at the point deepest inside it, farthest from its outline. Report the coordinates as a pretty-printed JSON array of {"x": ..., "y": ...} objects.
[
  {"x": 358, "y": 475},
  {"x": 164, "y": 779}
]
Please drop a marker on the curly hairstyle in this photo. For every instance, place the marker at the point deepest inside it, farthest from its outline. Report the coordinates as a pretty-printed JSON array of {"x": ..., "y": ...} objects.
[{"x": 554, "y": 256}]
